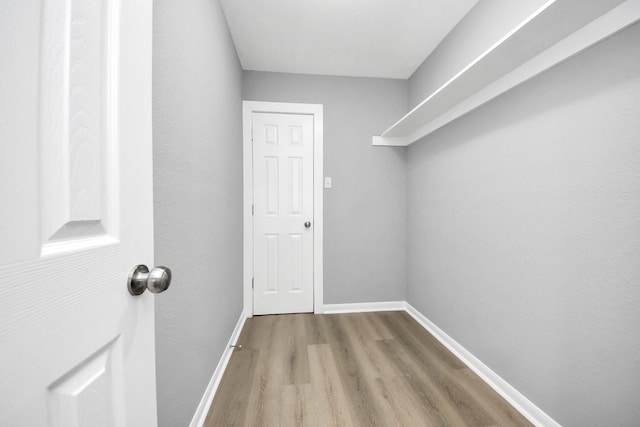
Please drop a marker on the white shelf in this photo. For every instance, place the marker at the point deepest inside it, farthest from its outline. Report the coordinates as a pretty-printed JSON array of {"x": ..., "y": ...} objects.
[{"x": 549, "y": 36}]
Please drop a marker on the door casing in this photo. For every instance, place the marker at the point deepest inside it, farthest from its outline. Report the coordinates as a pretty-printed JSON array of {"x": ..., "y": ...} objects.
[{"x": 316, "y": 110}]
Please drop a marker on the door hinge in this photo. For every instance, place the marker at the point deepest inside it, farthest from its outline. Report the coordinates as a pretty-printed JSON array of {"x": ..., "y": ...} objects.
[
  {"x": 252, "y": 282},
  {"x": 252, "y": 209}
]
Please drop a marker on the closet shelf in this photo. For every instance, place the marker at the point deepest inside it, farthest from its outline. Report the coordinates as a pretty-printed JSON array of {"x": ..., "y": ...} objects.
[{"x": 558, "y": 30}]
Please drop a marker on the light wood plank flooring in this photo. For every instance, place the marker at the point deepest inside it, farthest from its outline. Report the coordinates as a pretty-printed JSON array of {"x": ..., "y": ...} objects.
[{"x": 364, "y": 369}]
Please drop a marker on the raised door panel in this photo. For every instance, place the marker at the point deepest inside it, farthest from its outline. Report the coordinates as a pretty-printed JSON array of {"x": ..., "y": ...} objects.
[
  {"x": 296, "y": 252},
  {"x": 272, "y": 185},
  {"x": 77, "y": 120},
  {"x": 92, "y": 393},
  {"x": 294, "y": 190},
  {"x": 272, "y": 257}
]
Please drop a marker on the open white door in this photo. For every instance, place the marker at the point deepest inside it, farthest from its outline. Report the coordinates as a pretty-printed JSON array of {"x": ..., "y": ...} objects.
[{"x": 76, "y": 349}]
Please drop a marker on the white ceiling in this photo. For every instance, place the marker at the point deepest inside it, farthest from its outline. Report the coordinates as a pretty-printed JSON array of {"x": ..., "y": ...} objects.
[{"x": 364, "y": 38}]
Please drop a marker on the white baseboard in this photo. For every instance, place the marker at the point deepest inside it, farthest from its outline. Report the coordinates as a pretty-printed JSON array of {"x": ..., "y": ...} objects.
[
  {"x": 523, "y": 405},
  {"x": 361, "y": 307},
  {"x": 203, "y": 408}
]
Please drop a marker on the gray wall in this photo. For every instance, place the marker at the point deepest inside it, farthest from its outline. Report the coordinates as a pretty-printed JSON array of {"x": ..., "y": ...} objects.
[
  {"x": 364, "y": 212},
  {"x": 525, "y": 235},
  {"x": 198, "y": 198}
]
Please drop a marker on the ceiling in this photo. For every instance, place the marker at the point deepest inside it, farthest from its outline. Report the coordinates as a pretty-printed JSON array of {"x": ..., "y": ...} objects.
[{"x": 363, "y": 38}]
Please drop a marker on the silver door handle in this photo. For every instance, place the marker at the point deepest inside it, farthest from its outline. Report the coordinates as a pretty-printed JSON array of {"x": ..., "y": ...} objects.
[
  {"x": 157, "y": 280},
  {"x": 307, "y": 224}
]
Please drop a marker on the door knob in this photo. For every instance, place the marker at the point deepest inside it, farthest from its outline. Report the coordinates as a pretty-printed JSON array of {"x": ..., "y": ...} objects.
[
  {"x": 307, "y": 224},
  {"x": 157, "y": 280}
]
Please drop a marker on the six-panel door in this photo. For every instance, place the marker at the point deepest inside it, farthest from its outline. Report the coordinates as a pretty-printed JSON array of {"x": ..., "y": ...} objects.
[
  {"x": 75, "y": 213},
  {"x": 283, "y": 203}
]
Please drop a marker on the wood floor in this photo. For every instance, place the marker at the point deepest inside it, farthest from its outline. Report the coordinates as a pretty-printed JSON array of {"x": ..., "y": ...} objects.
[{"x": 364, "y": 369}]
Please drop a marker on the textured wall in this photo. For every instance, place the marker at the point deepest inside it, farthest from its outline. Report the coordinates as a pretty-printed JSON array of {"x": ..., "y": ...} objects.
[
  {"x": 364, "y": 212},
  {"x": 525, "y": 235},
  {"x": 198, "y": 198}
]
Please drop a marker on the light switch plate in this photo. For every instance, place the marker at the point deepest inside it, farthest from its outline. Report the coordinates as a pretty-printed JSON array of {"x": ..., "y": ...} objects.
[{"x": 327, "y": 182}]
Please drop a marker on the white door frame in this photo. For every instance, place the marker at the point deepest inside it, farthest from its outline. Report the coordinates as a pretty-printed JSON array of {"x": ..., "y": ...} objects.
[{"x": 315, "y": 110}]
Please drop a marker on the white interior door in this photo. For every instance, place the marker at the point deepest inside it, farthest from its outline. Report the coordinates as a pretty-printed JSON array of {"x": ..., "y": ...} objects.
[
  {"x": 283, "y": 213},
  {"x": 76, "y": 349}
]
